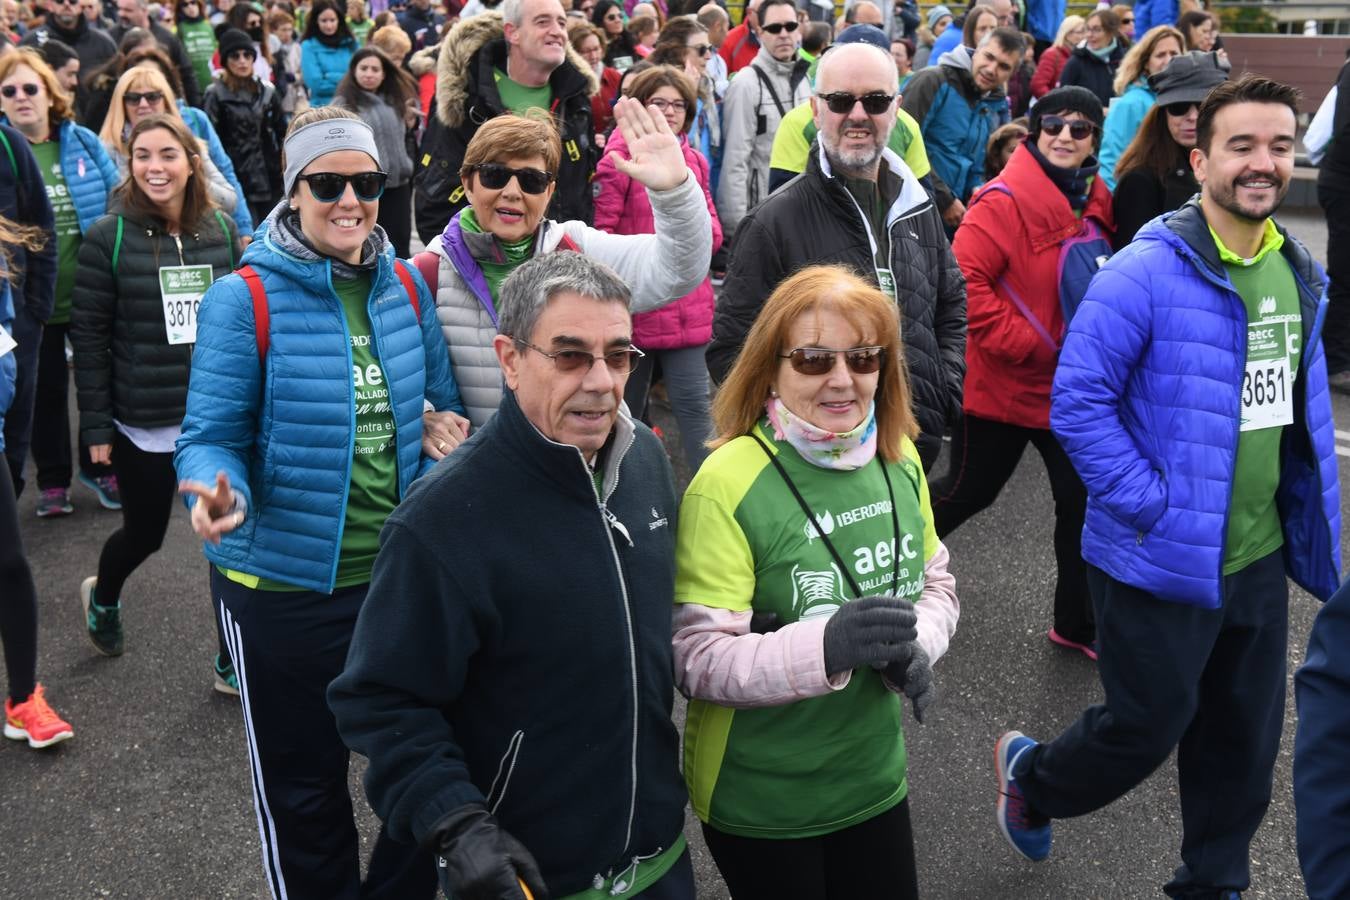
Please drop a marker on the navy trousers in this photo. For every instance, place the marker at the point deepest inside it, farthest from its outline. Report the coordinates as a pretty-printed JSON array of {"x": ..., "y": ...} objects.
[
  {"x": 1208, "y": 681},
  {"x": 287, "y": 646}
]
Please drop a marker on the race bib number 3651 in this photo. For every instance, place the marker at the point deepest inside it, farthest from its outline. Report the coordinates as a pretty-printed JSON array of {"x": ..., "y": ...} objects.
[
  {"x": 181, "y": 289},
  {"x": 1267, "y": 393}
]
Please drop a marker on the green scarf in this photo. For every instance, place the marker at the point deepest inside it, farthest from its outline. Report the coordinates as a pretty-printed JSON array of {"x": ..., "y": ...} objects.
[{"x": 513, "y": 254}]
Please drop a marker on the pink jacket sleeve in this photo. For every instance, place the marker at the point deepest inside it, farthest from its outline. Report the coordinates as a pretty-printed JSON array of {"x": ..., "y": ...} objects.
[
  {"x": 717, "y": 659},
  {"x": 937, "y": 609},
  {"x": 703, "y": 177},
  {"x": 610, "y": 194}
]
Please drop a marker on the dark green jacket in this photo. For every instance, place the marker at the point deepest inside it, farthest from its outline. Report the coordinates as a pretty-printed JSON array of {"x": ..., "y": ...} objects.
[{"x": 125, "y": 367}]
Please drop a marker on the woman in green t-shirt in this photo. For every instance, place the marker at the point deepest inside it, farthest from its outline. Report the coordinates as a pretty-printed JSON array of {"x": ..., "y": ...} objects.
[
  {"x": 811, "y": 591},
  {"x": 197, "y": 36}
]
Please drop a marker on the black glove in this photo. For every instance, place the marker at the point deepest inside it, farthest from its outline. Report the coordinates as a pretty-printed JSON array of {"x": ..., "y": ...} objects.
[
  {"x": 868, "y": 631},
  {"x": 482, "y": 861},
  {"x": 913, "y": 675}
]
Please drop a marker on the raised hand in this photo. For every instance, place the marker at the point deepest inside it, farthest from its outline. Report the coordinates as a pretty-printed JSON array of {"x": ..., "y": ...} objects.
[{"x": 655, "y": 159}]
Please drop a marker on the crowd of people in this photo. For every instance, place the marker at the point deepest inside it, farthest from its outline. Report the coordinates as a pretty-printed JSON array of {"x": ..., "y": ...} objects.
[{"x": 830, "y": 238}]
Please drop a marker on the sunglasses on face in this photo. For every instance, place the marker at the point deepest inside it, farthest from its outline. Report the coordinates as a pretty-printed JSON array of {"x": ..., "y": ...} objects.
[
  {"x": 134, "y": 98},
  {"x": 613, "y": 17},
  {"x": 1078, "y": 128},
  {"x": 620, "y": 362},
  {"x": 702, "y": 49},
  {"x": 1127, "y": 21},
  {"x": 66, "y": 2},
  {"x": 820, "y": 361},
  {"x": 1181, "y": 108},
  {"x": 9, "y": 91},
  {"x": 874, "y": 103},
  {"x": 495, "y": 176},
  {"x": 328, "y": 187},
  {"x": 242, "y": 54},
  {"x": 780, "y": 27}
]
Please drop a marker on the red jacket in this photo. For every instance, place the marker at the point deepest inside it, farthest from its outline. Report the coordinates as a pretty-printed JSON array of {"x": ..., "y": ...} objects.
[
  {"x": 1046, "y": 78},
  {"x": 1015, "y": 239},
  {"x": 739, "y": 48},
  {"x": 602, "y": 104},
  {"x": 622, "y": 207}
]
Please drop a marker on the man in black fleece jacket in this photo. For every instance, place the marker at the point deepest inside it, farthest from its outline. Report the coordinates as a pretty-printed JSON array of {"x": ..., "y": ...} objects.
[{"x": 510, "y": 676}]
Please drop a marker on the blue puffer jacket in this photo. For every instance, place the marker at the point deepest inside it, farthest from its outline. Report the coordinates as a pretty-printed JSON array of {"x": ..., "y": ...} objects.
[
  {"x": 1122, "y": 124},
  {"x": 201, "y": 126},
  {"x": 9, "y": 368},
  {"x": 1146, "y": 403},
  {"x": 1152, "y": 13},
  {"x": 89, "y": 172},
  {"x": 1044, "y": 16},
  {"x": 283, "y": 432},
  {"x": 323, "y": 67}
]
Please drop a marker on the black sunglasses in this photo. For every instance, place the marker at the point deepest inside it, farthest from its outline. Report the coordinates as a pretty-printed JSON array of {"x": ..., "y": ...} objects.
[
  {"x": 820, "y": 361},
  {"x": 620, "y": 362},
  {"x": 241, "y": 52},
  {"x": 495, "y": 176},
  {"x": 1078, "y": 128},
  {"x": 702, "y": 49},
  {"x": 1180, "y": 108},
  {"x": 328, "y": 187},
  {"x": 10, "y": 90},
  {"x": 780, "y": 27},
  {"x": 874, "y": 103},
  {"x": 134, "y": 98}
]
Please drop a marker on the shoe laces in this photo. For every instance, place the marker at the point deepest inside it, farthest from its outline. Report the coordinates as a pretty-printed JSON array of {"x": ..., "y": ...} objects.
[
  {"x": 1019, "y": 812},
  {"x": 38, "y": 712}
]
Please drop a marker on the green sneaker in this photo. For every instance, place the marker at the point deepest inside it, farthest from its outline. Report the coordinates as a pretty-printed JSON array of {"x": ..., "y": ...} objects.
[
  {"x": 226, "y": 681},
  {"x": 102, "y": 623}
]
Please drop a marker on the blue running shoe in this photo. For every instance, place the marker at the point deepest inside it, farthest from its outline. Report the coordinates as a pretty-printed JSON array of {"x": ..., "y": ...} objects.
[{"x": 1028, "y": 833}]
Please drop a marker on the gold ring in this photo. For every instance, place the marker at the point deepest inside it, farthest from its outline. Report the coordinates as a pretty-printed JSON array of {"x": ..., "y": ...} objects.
[{"x": 440, "y": 446}]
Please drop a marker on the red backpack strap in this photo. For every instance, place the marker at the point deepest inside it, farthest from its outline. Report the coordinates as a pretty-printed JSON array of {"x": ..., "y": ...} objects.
[
  {"x": 408, "y": 285},
  {"x": 262, "y": 319},
  {"x": 429, "y": 264}
]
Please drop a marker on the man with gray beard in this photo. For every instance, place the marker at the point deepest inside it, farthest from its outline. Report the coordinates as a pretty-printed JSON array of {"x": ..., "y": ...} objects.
[{"x": 857, "y": 205}]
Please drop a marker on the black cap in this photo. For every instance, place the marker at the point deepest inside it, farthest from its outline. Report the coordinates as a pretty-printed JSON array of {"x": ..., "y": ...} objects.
[
  {"x": 1189, "y": 77},
  {"x": 233, "y": 39},
  {"x": 1067, "y": 99},
  {"x": 864, "y": 34}
]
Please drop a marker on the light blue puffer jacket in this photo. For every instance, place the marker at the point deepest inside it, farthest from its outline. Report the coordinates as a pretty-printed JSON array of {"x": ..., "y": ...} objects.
[
  {"x": 283, "y": 432},
  {"x": 323, "y": 67},
  {"x": 1146, "y": 403},
  {"x": 1122, "y": 124},
  {"x": 89, "y": 172}
]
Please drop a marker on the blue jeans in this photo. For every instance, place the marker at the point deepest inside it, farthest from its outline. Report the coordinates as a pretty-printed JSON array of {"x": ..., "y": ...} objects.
[{"x": 1211, "y": 681}]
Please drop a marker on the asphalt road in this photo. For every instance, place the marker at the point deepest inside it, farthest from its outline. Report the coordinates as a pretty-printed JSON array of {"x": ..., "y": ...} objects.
[{"x": 152, "y": 798}]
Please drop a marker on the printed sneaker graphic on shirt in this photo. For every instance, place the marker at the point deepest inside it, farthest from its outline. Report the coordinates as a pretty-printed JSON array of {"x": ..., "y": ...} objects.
[{"x": 817, "y": 593}]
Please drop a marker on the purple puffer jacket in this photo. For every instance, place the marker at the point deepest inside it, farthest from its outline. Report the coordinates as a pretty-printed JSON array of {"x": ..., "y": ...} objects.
[{"x": 622, "y": 207}]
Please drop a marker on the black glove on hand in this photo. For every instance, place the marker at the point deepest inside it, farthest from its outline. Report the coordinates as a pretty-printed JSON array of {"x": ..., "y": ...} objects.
[
  {"x": 913, "y": 675},
  {"x": 482, "y": 861},
  {"x": 868, "y": 631}
]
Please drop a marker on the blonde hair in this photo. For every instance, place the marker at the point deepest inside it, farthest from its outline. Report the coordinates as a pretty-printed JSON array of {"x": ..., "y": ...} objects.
[
  {"x": 140, "y": 78},
  {"x": 1068, "y": 25},
  {"x": 740, "y": 401},
  {"x": 1135, "y": 62},
  {"x": 393, "y": 40},
  {"x": 60, "y": 101}
]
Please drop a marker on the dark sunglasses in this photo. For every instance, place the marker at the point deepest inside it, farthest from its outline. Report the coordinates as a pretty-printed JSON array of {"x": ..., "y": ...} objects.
[
  {"x": 10, "y": 90},
  {"x": 242, "y": 53},
  {"x": 1127, "y": 21},
  {"x": 328, "y": 187},
  {"x": 495, "y": 176},
  {"x": 620, "y": 362},
  {"x": 134, "y": 98},
  {"x": 820, "y": 361},
  {"x": 780, "y": 27},
  {"x": 702, "y": 49},
  {"x": 1177, "y": 110},
  {"x": 874, "y": 103},
  {"x": 1078, "y": 128}
]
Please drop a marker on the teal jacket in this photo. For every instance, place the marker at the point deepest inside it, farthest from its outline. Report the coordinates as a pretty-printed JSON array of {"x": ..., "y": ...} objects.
[{"x": 1122, "y": 124}]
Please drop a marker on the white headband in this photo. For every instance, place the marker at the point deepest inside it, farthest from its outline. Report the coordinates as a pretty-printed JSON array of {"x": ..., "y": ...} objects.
[{"x": 327, "y": 136}]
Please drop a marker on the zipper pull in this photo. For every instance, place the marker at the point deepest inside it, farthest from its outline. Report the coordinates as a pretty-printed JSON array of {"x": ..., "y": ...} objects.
[{"x": 616, "y": 524}]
